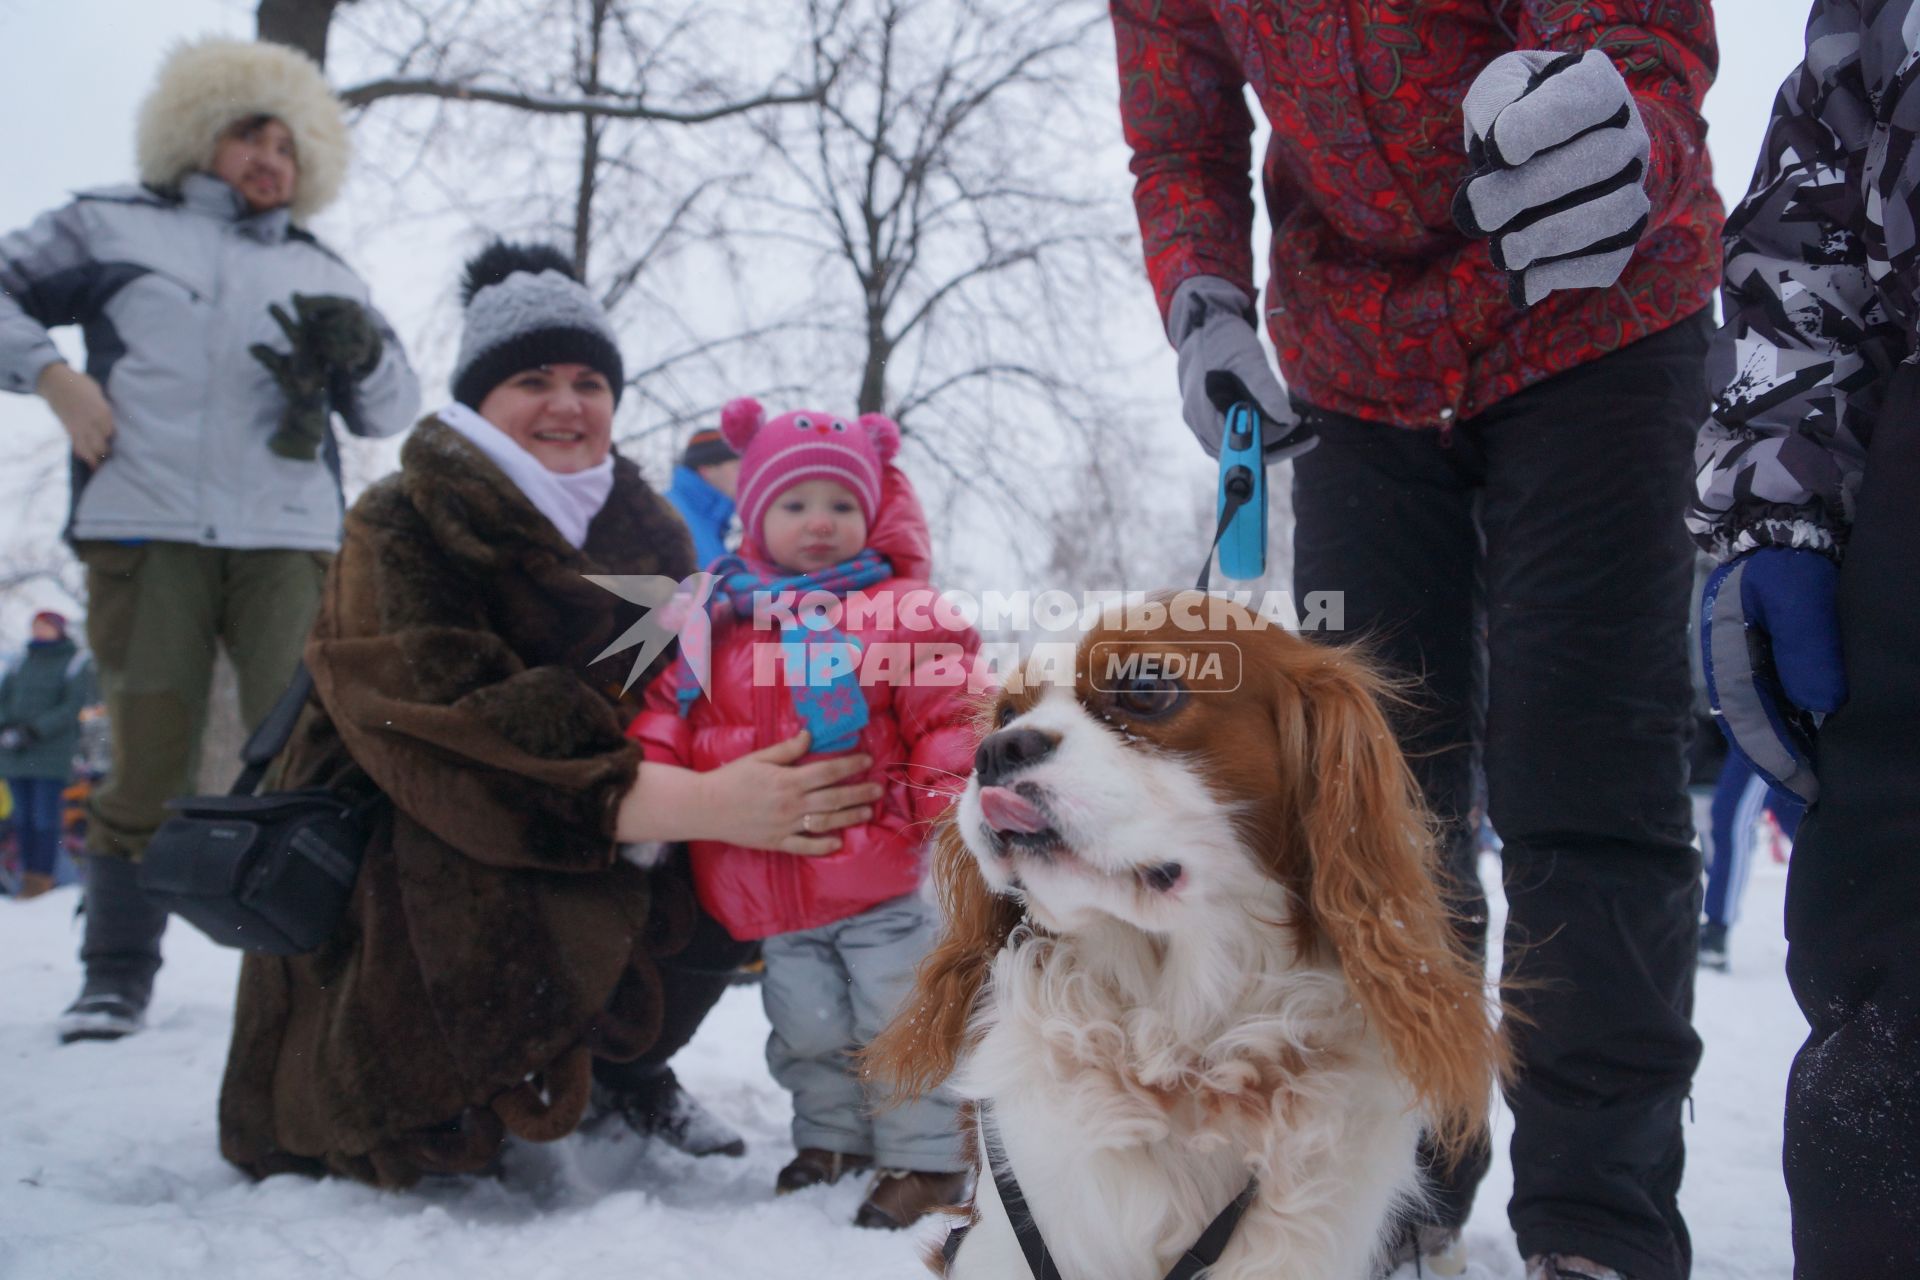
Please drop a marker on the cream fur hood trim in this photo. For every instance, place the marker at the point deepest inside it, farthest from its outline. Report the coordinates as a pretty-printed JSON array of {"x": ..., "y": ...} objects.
[{"x": 205, "y": 86}]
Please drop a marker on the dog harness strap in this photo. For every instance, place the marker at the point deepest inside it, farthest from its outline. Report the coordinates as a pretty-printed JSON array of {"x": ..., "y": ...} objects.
[
  {"x": 1205, "y": 1251},
  {"x": 950, "y": 1247},
  {"x": 1213, "y": 1241},
  {"x": 1025, "y": 1229}
]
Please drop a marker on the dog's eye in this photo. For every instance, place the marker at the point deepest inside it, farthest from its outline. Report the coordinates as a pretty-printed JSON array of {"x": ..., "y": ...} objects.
[
  {"x": 1148, "y": 698},
  {"x": 1003, "y": 717}
]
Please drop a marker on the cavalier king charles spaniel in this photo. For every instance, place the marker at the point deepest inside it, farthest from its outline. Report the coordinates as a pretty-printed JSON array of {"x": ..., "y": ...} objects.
[{"x": 1194, "y": 947}]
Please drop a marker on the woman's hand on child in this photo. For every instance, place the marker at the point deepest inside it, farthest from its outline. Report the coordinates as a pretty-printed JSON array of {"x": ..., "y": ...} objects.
[{"x": 766, "y": 801}]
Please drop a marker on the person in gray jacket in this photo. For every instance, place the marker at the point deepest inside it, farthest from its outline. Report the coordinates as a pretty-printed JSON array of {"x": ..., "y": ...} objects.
[{"x": 222, "y": 338}]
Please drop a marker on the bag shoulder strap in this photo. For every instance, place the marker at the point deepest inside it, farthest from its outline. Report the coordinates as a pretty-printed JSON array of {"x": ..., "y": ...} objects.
[{"x": 270, "y": 737}]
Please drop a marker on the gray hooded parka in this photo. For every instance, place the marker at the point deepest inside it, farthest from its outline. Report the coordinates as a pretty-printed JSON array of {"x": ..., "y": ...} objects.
[{"x": 170, "y": 291}]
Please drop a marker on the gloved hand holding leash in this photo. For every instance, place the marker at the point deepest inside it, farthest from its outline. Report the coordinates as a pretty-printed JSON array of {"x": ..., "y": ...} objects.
[
  {"x": 1222, "y": 363},
  {"x": 1229, "y": 397}
]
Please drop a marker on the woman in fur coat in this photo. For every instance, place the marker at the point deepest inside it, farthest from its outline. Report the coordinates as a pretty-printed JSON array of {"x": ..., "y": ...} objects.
[{"x": 499, "y": 960}]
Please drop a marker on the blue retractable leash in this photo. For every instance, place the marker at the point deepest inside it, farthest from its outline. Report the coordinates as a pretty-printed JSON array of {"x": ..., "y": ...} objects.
[{"x": 1241, "y": 538}]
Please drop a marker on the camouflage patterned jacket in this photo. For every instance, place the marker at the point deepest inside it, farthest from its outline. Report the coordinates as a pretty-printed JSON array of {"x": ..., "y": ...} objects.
[{"x": 1822, "y": 288}]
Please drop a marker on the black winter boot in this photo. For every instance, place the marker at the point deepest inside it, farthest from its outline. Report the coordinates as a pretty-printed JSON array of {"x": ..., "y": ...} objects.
[
  {"x": 651, "y": 1101},
  {"x": 121, "y": 952}
]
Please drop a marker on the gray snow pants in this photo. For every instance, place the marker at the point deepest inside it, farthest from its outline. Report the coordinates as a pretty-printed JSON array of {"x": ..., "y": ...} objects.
[{"x": 829, "y": 990}]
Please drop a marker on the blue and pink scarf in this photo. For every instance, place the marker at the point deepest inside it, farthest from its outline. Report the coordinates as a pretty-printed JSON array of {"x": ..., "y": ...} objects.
[{"x": 833, "y": 709}]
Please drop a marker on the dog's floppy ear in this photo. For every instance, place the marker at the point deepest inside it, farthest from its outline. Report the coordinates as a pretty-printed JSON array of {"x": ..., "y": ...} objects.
[
  {"x": 919, "y": 1048},
  {"x": 1374, "y": 896}
]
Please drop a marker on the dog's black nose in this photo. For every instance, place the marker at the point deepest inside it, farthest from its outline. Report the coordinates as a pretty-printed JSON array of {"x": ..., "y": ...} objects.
[{"x": 1004, "y": 752}]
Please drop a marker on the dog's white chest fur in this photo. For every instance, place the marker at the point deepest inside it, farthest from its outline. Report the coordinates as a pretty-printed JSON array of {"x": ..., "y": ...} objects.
[{"x": 1131, "y": 1122}]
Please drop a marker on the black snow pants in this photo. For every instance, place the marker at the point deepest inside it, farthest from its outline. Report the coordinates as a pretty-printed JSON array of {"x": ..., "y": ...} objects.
[
  {"x": 1853, "y": 900},
  {"x": 1531, "y": 570}
]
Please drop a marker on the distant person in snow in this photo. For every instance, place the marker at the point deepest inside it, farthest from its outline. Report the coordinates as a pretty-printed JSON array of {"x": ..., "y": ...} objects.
[
  {"x": 1495, "y": 243},
  {"x": 221, "y": 340},
  {"x": 1742, "y": 802},
  {"x": 1809, "y": 492},
  {"x": 41, "y": 695},
  {"x": 501, "y": 967},
  {"x": 702, "y": 492}
]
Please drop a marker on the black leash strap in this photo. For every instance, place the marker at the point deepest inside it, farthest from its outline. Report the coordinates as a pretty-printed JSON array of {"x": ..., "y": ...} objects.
[
  {"x": 1237, "y": 497},
  {"x": 1205, "y": 1251}
]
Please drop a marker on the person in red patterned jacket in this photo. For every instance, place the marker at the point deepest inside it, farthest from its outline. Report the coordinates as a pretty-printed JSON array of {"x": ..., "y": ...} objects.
[
  {"x": 1495, "y": 243},
  {"x": 884, "y": 672}
]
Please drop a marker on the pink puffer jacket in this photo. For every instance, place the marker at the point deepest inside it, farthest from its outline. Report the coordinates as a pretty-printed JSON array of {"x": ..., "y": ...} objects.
[{"x": 919, "y": 731}]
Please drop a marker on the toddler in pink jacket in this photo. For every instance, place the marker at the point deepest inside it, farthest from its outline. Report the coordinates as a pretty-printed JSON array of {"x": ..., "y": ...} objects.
[{"x": 825, "y": 620}]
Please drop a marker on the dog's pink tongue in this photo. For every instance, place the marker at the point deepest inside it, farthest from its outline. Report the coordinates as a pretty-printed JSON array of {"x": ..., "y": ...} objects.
[{"x": 1007, "y": 810}]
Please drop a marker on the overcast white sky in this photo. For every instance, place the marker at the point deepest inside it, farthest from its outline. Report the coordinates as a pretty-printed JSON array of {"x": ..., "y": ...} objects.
[{"x": 73, "y": 71}]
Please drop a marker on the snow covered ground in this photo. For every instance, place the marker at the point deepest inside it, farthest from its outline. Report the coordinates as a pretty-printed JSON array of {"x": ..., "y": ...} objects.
[{"x": 109, "y": 1168}]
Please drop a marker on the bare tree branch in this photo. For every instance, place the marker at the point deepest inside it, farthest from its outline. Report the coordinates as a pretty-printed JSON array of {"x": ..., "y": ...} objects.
[{"x": 613, "y": 108}]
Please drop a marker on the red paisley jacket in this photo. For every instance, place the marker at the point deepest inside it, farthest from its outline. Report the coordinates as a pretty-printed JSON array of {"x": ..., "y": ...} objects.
[{"x": 1378, "y": 306}]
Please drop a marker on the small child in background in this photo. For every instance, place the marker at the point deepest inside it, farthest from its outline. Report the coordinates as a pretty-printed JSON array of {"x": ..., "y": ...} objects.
[{"x": 822, "y": 511}]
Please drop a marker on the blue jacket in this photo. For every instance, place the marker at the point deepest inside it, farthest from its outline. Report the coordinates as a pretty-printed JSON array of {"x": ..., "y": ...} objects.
[{"x": 706, "y": 510}]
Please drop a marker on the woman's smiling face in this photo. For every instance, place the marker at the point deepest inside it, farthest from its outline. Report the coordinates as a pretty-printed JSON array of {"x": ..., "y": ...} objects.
[{"x": 562, "y": 414}]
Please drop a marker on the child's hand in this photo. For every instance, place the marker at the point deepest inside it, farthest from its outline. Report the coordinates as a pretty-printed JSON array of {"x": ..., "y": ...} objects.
[{"x": 766, "y": 801}]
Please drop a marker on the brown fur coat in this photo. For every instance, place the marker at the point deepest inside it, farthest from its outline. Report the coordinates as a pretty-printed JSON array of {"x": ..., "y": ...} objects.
[{"x": 494, "y": 940}]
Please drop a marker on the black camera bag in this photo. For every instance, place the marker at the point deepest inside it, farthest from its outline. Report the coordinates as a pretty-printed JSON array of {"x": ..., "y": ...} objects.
[{"x": 269, "y": 873}]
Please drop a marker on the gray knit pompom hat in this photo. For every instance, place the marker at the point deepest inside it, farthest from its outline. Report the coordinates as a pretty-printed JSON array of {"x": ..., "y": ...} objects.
[{"x": 525, "y": 308}]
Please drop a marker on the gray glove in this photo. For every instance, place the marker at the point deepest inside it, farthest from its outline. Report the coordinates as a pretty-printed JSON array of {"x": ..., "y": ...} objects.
[
  {"x": 1222, "y": 363},
  {"x": 1559, "y": 156}
]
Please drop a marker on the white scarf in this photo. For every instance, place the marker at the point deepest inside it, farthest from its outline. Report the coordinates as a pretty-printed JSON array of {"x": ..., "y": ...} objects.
[{"x": 569, "y": 500}]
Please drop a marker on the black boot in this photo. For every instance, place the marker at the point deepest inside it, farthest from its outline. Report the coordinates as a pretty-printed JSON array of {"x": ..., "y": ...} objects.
[
  {"x": 121, "y": 952},
  {"x": 649, "y": 1098}
]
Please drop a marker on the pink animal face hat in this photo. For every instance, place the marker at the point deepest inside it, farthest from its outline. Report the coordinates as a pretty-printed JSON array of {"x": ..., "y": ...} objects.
[{"x": 806, "y": 445}]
